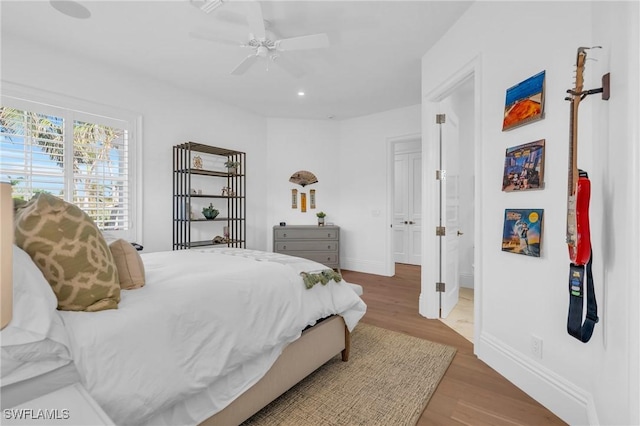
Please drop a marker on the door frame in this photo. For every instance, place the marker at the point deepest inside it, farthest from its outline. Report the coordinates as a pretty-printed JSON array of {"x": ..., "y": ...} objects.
[
  {"x": 390, "y": 264},
  {"x": 428, "y": 303}
]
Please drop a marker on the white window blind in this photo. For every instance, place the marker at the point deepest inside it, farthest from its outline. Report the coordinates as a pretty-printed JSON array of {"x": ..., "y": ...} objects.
[{"x": 82, "y": 158}]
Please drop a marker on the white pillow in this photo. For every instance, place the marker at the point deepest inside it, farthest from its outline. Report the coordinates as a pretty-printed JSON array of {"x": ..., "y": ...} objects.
[{"x": 35, "y": 341}]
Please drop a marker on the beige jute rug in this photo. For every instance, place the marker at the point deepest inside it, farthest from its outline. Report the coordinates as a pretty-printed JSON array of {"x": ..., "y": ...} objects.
[{"x": 388, "y": 380}]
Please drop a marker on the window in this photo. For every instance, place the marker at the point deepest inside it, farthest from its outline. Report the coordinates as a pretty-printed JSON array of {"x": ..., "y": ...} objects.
[{"x": 83, "y": 158}]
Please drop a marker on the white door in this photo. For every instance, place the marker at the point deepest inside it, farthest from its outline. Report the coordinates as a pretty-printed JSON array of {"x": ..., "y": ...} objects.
[
  {"x": 407, "y": 214},
  {"x": 449, "y": 213}
]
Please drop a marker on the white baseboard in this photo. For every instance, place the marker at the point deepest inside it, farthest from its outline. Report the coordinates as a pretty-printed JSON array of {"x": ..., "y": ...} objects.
[
  {"x": 571, "y": 403},
  {"x": 364, "y": 266},
  {"x": 466, "y": 279}
]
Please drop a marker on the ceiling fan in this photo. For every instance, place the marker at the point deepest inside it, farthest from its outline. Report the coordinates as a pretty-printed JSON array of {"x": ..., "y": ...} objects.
[{"x": 263, "y": 47}]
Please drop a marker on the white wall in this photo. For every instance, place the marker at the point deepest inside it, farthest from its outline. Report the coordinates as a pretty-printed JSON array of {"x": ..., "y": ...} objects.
[
  {"x": 170, "y": 117},
  {"x": 363, "y": 162},
  {"x": 597, "y": 382},
  {"x": 294, "y": 145}
]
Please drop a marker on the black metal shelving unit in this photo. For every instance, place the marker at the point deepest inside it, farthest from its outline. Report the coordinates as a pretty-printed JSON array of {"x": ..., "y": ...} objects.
[{"x": 184, "y": 170}]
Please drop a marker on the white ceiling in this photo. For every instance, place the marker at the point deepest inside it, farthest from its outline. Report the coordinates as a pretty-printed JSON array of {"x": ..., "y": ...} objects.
[{"x": 372, "y": 65}]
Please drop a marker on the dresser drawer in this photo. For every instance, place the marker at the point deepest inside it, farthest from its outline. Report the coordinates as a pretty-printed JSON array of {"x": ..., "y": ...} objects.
[
  {"x": 305, "y": 234},
  {"x": 328, "y": 259},
  {"x": 293, "y": 245}
]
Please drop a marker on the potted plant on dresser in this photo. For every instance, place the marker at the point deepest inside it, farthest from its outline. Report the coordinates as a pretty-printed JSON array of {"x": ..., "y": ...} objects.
[{"x": 321, "y": 216}]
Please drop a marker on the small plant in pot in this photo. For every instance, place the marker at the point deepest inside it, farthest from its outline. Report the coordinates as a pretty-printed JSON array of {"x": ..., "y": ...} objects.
[
  {"x": 232, "y": 166},
  {"x": 210, "y": 212},
  {"x": 321, "y": 216}
]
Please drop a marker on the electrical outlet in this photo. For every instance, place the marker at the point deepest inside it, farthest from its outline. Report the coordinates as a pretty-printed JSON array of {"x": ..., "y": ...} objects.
[{"x": 536, "y": 346}]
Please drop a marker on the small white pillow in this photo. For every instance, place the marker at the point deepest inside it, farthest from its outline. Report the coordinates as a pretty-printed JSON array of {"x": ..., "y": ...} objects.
[{"x": 35, "y": 341}]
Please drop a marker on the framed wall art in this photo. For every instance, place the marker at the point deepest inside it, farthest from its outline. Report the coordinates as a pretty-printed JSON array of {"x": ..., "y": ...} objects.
[
  {"x": 524, "y": 167},
  {"x": 524, "y": 102},
  {"x": 522, "y": 231}
]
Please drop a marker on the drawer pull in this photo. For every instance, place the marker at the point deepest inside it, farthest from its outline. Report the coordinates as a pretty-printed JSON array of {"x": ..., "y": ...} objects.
[
  {"x": 328, "y": 234},
  {"x": 284, "y": 247},
  {"x": 328, "y": 247},
  {"x": 284, "y": 235}
]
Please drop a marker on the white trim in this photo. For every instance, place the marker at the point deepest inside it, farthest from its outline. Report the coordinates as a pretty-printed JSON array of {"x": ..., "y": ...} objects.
[
  {"x": 360, "y": 265},
  {"x": 571, "y": 403},
  {"x": 428, "y": 305}
]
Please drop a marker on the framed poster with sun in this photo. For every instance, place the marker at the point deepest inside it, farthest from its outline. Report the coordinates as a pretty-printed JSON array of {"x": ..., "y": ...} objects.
[{"x": 524, "y": 102}]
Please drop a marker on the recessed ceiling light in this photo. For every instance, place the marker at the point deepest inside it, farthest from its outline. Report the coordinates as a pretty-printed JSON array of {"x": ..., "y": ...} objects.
[
  {"x": 71, "y": 8},
  {"x": 300, "y": 93}
]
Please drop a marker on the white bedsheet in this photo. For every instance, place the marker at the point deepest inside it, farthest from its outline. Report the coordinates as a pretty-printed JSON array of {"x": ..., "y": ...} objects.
[{"x": 207, "y": 325}]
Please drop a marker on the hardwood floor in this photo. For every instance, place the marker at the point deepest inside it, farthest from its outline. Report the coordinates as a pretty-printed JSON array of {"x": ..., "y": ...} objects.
[{"x": 470, "y": 393}]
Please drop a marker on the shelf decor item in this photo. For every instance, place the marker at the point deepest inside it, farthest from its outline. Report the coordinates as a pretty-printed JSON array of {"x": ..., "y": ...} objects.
[
  {"x": 210, "y": 212},
  {"x": 232, "y": 166},
  {"x": 321, "y": 216},
  {"x": 524, "y": 102},
  {"x": 197, "y": 162}
]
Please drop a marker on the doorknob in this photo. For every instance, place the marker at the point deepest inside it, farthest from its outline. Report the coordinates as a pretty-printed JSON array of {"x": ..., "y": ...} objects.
[
  {"x": 460, "y": 233},
  {"x": 406, "y": 223},
  {"x": 410, "y": 222}
]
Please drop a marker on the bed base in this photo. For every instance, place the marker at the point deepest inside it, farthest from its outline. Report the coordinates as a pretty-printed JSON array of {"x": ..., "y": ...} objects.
[{"x": 316, "y": 346}]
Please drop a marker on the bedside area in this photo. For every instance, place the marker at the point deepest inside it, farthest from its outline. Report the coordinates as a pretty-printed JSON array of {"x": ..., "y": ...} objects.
[{"x": 70, "y": 405}]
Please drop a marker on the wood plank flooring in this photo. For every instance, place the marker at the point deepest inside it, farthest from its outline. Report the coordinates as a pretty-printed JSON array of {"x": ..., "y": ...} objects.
[{"x": 470, "y": 393}]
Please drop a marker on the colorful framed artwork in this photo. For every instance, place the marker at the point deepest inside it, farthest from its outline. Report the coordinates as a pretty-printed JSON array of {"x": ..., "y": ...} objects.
[
  {"x": 303, "y": 202},
  {"x": 524, "y": 102},
  {"x": 522, "y": 231},
  {"x": 524, "y": 167}
]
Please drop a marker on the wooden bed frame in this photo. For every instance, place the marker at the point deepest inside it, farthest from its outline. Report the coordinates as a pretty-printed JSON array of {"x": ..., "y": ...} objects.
[{"x": 316, "y": 346}]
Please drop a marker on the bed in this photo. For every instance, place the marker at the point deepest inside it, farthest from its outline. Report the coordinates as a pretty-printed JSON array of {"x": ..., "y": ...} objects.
[{"x": 213, "y": 336}]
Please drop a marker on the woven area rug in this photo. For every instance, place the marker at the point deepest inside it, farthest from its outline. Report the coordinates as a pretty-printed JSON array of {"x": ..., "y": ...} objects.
[{"x": 388, "y": 380}]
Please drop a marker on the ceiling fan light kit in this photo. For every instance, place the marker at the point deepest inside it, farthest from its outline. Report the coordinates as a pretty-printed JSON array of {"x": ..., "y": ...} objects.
[
  {"x": 262, "y": 45},
  {"x": 207, "y": 6}
]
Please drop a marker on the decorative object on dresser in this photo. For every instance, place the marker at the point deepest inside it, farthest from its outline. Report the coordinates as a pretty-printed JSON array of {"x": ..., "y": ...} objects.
[
  {"x": 321, "y": 245},
  {"x": 215, "y": 171},
  {"x": 321, "y": 216}
]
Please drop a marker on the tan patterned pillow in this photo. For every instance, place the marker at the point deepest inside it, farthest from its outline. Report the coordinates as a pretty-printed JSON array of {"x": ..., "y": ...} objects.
[
  {"x": 129, "y": 264},
  {"x": 71, "y": 252}
]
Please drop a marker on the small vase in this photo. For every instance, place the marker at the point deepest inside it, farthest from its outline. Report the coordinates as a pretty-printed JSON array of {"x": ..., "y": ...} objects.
[
  {"x": 233, "y": 170},
  {"x": 321, "y": 221}
]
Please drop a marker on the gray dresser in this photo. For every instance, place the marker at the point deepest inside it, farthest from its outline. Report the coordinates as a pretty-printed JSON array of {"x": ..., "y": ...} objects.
[{"x": 317, "y": 243}]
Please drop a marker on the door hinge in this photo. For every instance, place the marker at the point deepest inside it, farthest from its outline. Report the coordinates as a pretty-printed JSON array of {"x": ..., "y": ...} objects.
[
  {"x": 441, "y": 174},
  {"x": 440, "y": 118},
  {"x": 441, "y": 231},
  {"x": 440, "y": 287}
]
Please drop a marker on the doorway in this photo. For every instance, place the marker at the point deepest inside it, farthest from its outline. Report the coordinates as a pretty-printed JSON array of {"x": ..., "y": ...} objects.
[
  {"x": 457, "y": 95},
  {"x": 407, "y": 204},
  {"x": 404, "y": 201}
]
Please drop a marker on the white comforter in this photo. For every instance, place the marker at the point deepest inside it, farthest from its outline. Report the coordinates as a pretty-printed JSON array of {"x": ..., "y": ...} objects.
[{"x": 207, "y": 326}]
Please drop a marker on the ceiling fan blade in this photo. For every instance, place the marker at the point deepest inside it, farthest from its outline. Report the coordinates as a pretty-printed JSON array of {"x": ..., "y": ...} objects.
[
  {"x": 214, "y": 38},
  {"x": 289, "y": 66},
  {"x": 255, "y": 19},
  {"x": 314, "y": 41},
  {"x": 244, "y": 65}
]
